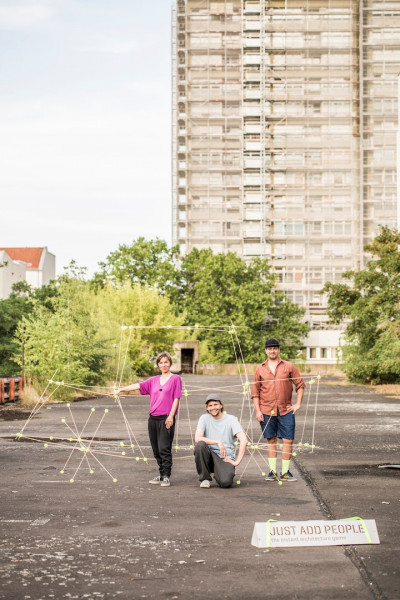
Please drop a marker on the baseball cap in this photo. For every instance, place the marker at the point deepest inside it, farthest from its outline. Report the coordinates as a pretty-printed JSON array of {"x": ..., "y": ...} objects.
[
  {"x": 213, "y": 398},
  {"x": 272, "y": 343}
]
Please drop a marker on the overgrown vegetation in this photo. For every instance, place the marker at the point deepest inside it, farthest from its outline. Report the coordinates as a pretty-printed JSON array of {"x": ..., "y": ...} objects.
[
  {"x": 212, "y": 289},
  {"x": 217, "y": 289},
  {"x": 72, "y": 329},
  {"x": 20, "y": 303},
  {"x": 370, "y": 305}
]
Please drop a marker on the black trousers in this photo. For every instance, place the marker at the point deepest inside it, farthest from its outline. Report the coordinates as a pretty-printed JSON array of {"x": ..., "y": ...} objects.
[
  {"x": 208, "y": 462},
  {"x": 161, "y": 440}
]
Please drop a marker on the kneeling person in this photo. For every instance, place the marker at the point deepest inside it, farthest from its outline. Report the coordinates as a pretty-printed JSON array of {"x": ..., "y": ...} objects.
[{"x": 215, "y": 444}]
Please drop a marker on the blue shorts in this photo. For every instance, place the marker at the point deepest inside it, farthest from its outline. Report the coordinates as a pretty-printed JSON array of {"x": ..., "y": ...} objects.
[{"x": 281, "y": 426}]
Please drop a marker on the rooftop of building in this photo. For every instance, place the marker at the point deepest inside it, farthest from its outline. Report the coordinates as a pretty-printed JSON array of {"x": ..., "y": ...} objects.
[{"x": 30, "y": 256}]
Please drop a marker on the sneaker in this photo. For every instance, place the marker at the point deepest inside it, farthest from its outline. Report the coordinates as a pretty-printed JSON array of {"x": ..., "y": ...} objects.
[
  {"x": 156, "y": 480},
  {"x": 205, "y": 483},
  {"x": 165, "y": 482},
  {"x": 272, "y": 476},
  {"x": 287, "y": 477}
]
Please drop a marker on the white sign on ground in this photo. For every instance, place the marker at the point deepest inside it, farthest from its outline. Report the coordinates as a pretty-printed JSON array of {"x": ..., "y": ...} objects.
[{"x": 280, "y": 534}]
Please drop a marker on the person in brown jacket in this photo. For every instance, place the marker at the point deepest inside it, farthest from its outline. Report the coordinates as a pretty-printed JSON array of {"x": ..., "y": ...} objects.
[{"x": 271, "y": 391}]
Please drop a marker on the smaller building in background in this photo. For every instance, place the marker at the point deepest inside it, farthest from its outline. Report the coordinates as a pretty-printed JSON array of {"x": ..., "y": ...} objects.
[
  {"x": 36, "y": 266},
  {"x": 186, "y": 357},
  {"x": 11, "y": 271},
  {"x": 323, "y": 348}
]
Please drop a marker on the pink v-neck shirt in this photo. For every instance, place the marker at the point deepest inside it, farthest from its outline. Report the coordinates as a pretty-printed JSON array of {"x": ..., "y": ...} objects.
[{"x": 161, "y": 396}]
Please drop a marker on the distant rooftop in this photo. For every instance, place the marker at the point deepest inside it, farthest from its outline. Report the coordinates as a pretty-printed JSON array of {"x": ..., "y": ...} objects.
[{"x": 30, "y": 256}]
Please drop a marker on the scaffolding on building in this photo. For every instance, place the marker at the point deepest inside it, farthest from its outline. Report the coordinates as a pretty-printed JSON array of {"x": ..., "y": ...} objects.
[{"x": 284, "y": 134}]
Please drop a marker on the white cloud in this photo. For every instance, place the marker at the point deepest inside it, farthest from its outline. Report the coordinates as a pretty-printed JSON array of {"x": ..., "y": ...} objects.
[
  {"x": 151, "y": 87},
  {"x": 25, "y": 15},
  {"x": 84, "y": 183},
  {"x": 85, "y": 135},
  {"x": 111, "y": 46}
]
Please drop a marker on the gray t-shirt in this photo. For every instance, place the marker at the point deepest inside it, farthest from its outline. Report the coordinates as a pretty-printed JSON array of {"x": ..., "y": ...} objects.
[{"x": 223, "y": 430}]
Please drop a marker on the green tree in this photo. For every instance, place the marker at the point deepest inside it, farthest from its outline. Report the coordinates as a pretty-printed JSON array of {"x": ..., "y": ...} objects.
[
  {"x": 12, "y": 309},
  {"x": 220, "y": 289},
  {"x": 76, "y": 334},
  {"x": 150, "y": 263},
  {"x": 60, "y": 336},
  {"x": 20, "y": 303},
  {"x": 370, "y": 307},
  {"x": 212, "y": 289},
  {"x": 118, "y": 310}
]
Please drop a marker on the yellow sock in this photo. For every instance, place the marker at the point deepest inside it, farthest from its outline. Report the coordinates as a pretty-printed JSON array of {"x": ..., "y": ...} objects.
[
  {"x": 272, "y": 464},
  {"x": 285, "y": 466}
]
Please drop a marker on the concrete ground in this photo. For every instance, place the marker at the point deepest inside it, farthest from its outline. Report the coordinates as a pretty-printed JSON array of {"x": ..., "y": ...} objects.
[{"x": 99, "y": 539}]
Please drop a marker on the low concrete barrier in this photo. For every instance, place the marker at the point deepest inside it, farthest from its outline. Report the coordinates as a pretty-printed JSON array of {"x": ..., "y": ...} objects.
[
  {"x": 227, "y": 369},
  {"x": 249, "y": 368}
]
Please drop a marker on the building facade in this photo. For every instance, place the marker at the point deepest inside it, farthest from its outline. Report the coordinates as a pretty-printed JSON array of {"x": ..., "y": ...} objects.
[
  {"x": 11, "y": 271},
  {"x": 36, "y": 266},
  {"x": 284, "y": 133}
]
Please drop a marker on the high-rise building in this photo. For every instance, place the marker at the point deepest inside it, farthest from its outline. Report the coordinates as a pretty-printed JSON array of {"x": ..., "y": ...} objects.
[{"x": 284, "y": 133}]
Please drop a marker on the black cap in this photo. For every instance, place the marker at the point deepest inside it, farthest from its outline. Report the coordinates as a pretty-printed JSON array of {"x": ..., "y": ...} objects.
[
  {"x": 272, "y": 343},
  {"x": 213, "y": 398}
]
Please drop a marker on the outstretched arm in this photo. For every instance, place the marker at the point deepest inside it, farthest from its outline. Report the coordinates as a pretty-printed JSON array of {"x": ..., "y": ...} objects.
[{"x": 127, "y": 388}]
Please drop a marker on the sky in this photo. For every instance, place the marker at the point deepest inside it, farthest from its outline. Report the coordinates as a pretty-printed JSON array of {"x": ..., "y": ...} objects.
[{"x": 85, "y": 125}]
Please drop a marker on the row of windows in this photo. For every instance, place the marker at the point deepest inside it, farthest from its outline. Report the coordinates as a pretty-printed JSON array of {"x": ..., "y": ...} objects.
[
  {"x": 255, "y": 199},
  {"x": 314, "y": 228},
  {"x": 315, "y": 250},
  {"x": 327, "y": 353},
  {"x": 232, "y": 40},
  {"x": 219, "y": 125},
  {"x": 277, "y": 109},
  {"x": 314, "y": 157},
  {"x": 331, "y": 200},
  {"x": 279, "y": 251},
  {"x": 312, "y": 57},
  {"x": 338, "y": 178},
  {"x": 253, "y": 83},
  {"x": 309, "y": 58},
  {"x": 311, "y": 275},
  {"x": 338, "y": 39},
  {"x": 282, "y": 201},
  {"x": 231, "y": 13}
]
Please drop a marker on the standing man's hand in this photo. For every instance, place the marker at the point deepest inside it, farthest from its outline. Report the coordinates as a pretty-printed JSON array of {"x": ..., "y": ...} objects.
[
  {"x": 169, "y": 421},
  {"x": 259, "y": 416},
  {"x": 293, "y": 408}
]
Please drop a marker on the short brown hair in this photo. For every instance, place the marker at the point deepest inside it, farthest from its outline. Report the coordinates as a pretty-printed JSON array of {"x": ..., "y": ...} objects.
[{"x": 164, "y": 355}]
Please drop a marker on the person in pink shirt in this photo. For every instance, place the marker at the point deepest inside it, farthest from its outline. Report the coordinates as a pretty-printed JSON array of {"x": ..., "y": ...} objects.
[{"x": 165, "y": 391}]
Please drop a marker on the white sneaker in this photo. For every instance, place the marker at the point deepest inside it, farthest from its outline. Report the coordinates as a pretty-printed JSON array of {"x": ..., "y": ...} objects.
[
  {"x": 165, "y": 482},
  {"x": 205, "y": 483},
  {"x": 156, "y": 480}
]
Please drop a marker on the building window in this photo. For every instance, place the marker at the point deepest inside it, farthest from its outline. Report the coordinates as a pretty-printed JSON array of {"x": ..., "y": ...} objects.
[
  {"x": 324, "y": 352},
  {"x": 313, "y": 352}
]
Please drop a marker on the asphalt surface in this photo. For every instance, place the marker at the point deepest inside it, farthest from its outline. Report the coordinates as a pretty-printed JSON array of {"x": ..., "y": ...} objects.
[{"x": 96, "y": 538}]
